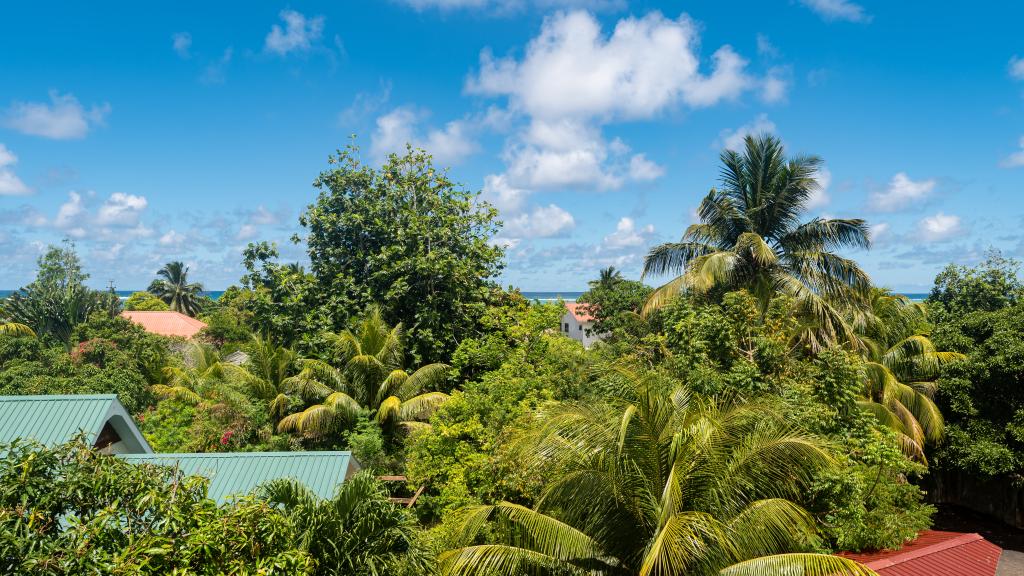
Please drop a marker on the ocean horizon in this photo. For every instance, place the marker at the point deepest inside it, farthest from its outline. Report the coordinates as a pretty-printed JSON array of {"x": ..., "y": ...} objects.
[{"x": 540, "y": 296}]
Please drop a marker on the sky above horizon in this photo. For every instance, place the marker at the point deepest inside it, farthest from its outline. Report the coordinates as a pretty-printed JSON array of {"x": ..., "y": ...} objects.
[{"x": 182, "y": 131}]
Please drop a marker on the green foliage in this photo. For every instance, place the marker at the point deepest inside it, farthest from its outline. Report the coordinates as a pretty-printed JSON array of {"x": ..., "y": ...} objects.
[
  {"x": 70, "y": 510},
  {"x": 992, "y": 285},
  {"x": 57, "y": 300},
  {"x": 227, "y": 327},
  {"x": 145, "y": 301},
  {"x": 750, "y": 236},
  {"x": 172, "y": 286},
  {"x": 616, "y": 303},
  {"x": 407, "y": 237},
  {"x": 359, "y": 532}
]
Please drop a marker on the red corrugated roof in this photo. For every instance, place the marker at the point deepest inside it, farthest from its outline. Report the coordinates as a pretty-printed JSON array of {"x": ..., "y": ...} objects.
[
  {"x": 935, "y": 553},
  {"x": 580, "y": 311},
  {"x": 166, "y": 323}
]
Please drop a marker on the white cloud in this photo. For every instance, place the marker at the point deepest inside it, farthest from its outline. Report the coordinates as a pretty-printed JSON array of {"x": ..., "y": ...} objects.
[
  {"x": 733, "y": 139},
  {"x": 819, "y": 197},
  {"x": 247, "y": 232},
  {"x": 121, "y": 209},
  {"x": 626, "y": 235},
  {"x": 172, "y": 238},
  {"x": 502, "y": 195},
  {"x": 298, "y": 35},
  {"x": 560, "y": 154},
  {"x": 640, "y": 168},
  {"x": 1017, "y": 68},
  {"x": 879, "y": 233},
  {"x": 541, "y": 222},
  {"x": 1015, "y": 159},
  {"x": 182, "y": 43},
  {"x": 775, "y": 85},
  {"x": 901, "y": 193},
  {"x": 645, "y": 66},
  {"x": 939, "y": 227},
  {"x": 70, "y": 215},
  {"x": 449, "y": 145},
  {"x": 765, "y": 47},
  {"x": 62, "y": 119},
  {"x": 831, "y": 10},
  {"x": 10, "y": 184}
]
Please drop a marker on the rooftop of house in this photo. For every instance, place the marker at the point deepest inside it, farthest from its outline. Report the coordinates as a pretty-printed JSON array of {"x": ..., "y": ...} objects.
[
  {"x": 236, "y": 473},
  {"x": 56, "y": 419},
  {"x": 580, "y": 311},
  {"x": 935, "y": 553},
  {"x": 165, "y": 323}
]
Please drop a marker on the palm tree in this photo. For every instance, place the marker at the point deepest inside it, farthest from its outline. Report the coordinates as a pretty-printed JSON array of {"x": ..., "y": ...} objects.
[
  {"x": 656, "y": 482},
  {"x": 273, "y": 366},
  {"x": 358, "y": 532},
  {"x": 902, "y": 365},
  {"x": 750, "y": 236},
  {"x": 172, "y": 286},
  {"x": 607, "y": 278},
  {"x": 16, "y": 329},
  {"x": 371, "y": 379},
  {"x": 54, "y": 310},
  {"x": 200, "y": 375}
]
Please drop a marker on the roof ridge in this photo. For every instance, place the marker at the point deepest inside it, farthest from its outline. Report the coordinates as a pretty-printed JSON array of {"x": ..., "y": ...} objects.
[
  {"x": 278, "y": 454},
  {"x": 900, "y": 558},
  {"x": 50, "y": 397}
]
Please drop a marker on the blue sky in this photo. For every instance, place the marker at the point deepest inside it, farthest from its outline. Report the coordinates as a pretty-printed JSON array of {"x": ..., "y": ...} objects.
[{"x": 185, "y": 130}]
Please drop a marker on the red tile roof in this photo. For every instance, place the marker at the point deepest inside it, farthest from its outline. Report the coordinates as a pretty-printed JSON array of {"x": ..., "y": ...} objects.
[
  {"x": 935, "y": 553},
  {"x": 580, "y": 311},
  {"x": 166, "y": 323}
]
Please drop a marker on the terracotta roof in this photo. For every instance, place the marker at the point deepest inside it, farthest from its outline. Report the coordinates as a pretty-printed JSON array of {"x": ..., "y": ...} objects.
[
  {"x": 166, "y": 323},
  {"x": 935, "y": 553},
  {"x": 580, "y": 311}
]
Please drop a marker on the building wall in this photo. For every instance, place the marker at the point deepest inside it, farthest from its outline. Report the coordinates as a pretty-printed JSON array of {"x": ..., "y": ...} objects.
[{"x": 582, "y": 332}]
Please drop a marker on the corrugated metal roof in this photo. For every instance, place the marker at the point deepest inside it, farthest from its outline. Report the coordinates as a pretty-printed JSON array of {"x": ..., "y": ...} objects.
[
  {"x": 165, "y": 323},
  {"x": 935, "y": 553},
  {"x": 55, "y": 419},
  {"x": 236, "y": 473}
]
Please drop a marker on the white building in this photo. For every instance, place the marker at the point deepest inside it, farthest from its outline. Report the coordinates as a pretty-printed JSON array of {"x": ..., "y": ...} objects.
[{"x": 578, "y": 324}]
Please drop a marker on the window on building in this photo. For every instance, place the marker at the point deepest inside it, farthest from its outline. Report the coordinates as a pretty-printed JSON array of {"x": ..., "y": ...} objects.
[
  {"x": 581, "y": 327},
  {"x": 566, "y": 327}
]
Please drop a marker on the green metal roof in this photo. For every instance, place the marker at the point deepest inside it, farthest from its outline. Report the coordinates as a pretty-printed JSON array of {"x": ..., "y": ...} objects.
[
  {"x": 236, "y": 473},
  {"x": 55, "y": 419}
]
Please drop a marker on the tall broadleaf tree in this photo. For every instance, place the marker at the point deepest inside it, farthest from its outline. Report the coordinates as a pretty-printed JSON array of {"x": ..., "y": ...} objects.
[
  {"x": 750, "y": 236},
  {"x": 172, "y": 286},
  {"x": 658, "y": 481}
]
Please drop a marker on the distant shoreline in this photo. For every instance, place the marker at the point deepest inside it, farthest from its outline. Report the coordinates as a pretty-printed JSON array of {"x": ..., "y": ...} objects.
[{"x": 569, "y": 296}]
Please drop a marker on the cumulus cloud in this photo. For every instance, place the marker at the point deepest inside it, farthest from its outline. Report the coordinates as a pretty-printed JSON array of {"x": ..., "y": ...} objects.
[
  {"x": 121, "y": 209},
  {"x": 1016, "y": 68},
  {"x": 172, "y": 238},
  {"x": 1015, "y": 159},
  {"x": 117, "y": 218},
  {"x": 298, "y": 35},
  {"x": 541, "y": 222},
  {"x": 502, "y": 195},
  {"x": 448, "y": 145},
  {"x": 182, "y": 44},
  {"x": 775, "y": 85},
  {"x": 642, "y": 169},
  {"x": 939, "y": 227},
  {"x": 832, "y": 10},
  {"x": 627, "y": 235},
  {"x": 10, "y": 184},
  {"x": 733, "y": 139},
  {"x": 901, "y": 193},
  {"x": 645, "y": 66},
  {"x": 63, "y": 118},
  {"x": 879, "y": 233}
]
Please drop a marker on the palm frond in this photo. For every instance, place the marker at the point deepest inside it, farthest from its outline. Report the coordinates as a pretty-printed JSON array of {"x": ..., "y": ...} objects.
[{"x": 798, "y": 565}]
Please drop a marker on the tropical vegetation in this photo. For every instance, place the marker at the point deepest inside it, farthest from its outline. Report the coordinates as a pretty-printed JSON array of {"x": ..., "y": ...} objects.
[{"x": 766, "y": 407}]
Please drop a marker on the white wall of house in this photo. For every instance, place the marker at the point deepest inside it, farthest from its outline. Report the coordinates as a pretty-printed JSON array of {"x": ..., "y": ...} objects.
[{"x": 582, "y": 332}]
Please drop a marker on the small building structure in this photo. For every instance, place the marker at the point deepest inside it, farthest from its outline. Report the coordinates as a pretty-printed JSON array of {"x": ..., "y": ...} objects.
[
  {"x": 237, "y": 358},
  {"x": 238, "y": 473},
  {"x": 55, "y": 419},
  {"x": 165, "y": 323},
  {"x": 935, "y": 553},
  {"x": 578, "y": 324}
]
